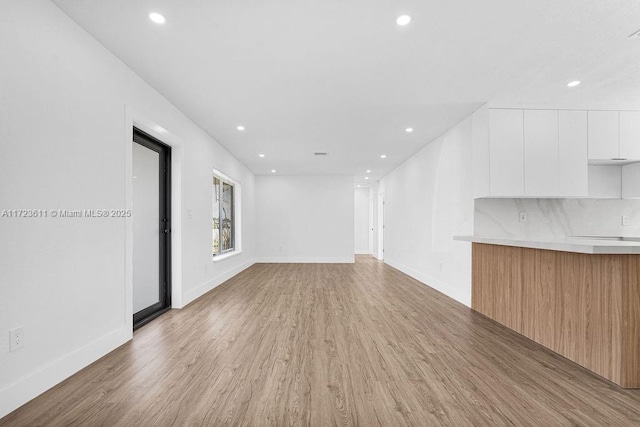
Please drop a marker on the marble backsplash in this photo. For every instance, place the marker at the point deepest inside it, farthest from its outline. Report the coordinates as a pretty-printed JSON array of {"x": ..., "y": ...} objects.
[{"x": 556, "y": 217}]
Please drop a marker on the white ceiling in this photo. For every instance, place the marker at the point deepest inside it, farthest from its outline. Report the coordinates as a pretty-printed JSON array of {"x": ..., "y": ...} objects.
[{"x": 342, "y": 77}]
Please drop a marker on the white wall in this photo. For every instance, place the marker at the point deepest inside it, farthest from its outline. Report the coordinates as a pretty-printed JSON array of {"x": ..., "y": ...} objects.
[
  {"x": 65, "y": 130},
  {"x": 428, "y": 200},
  {"x": 361, "y": 221},
  {"x": 305, "y": 218}
]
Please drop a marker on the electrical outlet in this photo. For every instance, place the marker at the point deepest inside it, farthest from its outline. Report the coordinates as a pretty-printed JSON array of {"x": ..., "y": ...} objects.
[
  {"x": 17, "y": 338},
  {"x": 625, "y": 220},
  {"x": 524, "y": 217}
]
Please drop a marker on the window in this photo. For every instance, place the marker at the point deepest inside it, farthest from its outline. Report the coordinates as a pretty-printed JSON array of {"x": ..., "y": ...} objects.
[{"x": 223, "y": 215}]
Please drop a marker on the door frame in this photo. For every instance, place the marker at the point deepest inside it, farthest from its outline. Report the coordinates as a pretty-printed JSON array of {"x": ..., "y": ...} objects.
[
  {"x": 164, "y": 208},
  {"x": 380, "y": 252}
]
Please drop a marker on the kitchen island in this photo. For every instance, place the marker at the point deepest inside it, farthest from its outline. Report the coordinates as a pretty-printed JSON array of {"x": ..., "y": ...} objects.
[{"x": 579, "y": 297}]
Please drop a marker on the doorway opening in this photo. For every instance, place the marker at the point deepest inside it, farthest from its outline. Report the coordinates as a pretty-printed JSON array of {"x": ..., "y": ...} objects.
[
  {"x": 151, "y": 217},
  {"x": 380, "y": 226}
]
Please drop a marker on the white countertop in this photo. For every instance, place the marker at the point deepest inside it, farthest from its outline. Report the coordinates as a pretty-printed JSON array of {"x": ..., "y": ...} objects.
[{"x": 585, "y": 245}]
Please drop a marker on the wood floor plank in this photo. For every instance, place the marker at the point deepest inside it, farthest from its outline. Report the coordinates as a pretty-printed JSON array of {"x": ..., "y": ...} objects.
[{"x": 330, "y": 344}]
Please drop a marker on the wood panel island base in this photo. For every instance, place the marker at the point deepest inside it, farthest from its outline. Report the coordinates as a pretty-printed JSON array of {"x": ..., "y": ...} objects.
[{"x": 584, "y": 306}]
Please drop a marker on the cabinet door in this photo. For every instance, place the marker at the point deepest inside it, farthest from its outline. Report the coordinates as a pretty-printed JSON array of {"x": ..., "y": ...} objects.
[
  {"x": 630, "y": 135},
  {"x": 541, "y": 153},
  {"x": 506, "y": 152},
  {"x": 573, "y": 170},
  {"x": 603, "y": 135}
]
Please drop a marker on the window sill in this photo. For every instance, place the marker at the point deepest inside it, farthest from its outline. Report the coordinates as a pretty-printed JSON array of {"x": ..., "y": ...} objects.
[{"x": 226, "y": 256}]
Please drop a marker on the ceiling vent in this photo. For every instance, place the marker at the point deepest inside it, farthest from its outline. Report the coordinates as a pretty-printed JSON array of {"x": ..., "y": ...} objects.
[{"x": 320, "y": 153}]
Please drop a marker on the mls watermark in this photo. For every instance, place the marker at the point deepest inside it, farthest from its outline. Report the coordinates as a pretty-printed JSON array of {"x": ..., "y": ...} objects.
[{"x": 65, "y": 213}]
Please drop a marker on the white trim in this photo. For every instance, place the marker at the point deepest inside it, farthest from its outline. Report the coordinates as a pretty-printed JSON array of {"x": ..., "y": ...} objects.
[
  {"x": 33, "y": 384},
  {"x": 458, "y": 295},
  {"x": 363, "y": 252},
  {"x": 306, "y": 260},
  {"x": 196, "y": 293},
  {"x": 380, "y": 226},
  {"x": 237, "y": 214},
  {"x": 370, "y": 224},
  {"x": 225, "y": 177},
  {"x": 219, "y": 258}
]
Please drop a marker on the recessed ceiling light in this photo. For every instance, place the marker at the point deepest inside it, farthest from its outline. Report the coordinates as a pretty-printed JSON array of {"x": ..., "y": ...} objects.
[
  {"x": 384, "y": 156},
  {"x": 273, "y": 171},
  {"x": 366, "y": 177},
  {"x": 368, "y": 170},
  {"x": 261, "y": 155},
  {"x": 157, "y": 18},
  {"x": 408, "y": 130},
  {"x": 358, "y": 186},
  {"x": 403, "y": 20},
  {"x": 573, "y": 83},
  {"x": 240, "y": 128}
]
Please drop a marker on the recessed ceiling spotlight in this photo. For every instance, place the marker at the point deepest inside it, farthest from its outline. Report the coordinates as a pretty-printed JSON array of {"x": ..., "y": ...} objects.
[
  {"x": 403, "y": 20},
  {"x": 157, "y": 18},
  {"x": 240, "y": 128},
  {"x": 261, "y": 155},
  {"x": 408, "y": 130},
  {"x": 573, "y": 83},
  {"x": 368, "y": 170},
  {"x": 356, "y": 185},
  {"x": 273, "y": 171},
  {"x": 384, "y": 156},
  {"x": 366, "y": 177}
]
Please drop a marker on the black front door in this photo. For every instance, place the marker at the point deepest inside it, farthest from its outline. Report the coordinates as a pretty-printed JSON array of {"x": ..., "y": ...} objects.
[{"x": 151, "y": 217}]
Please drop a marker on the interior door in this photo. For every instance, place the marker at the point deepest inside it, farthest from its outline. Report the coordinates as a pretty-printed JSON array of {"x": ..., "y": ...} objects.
[{"x": 151, "y": 228}]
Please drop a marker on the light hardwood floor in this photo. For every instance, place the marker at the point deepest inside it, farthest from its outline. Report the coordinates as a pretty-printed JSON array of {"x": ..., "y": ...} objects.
[{"x": 305, "y": 344}]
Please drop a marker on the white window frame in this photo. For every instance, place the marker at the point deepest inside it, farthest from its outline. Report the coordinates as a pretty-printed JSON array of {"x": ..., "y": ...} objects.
[{"x": 237, "y": 214}]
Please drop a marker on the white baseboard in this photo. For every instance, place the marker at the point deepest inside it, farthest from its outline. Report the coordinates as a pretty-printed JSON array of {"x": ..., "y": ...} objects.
[
  {"x": 307, "y": 260},
  {"x": 460, "y": 296},
  {"x": 363, "y": 252},
  {"x": 35, "y": 383},
  {"x": 196, "y": 293}
]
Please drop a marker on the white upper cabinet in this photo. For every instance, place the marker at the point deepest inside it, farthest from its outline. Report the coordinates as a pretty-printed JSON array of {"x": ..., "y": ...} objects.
[
  {"x": 614, "y": 135},
  {"x": 546, "y": 153},
  {"x": 506, "y": 153},
  {"x": 573, "y": 169},
  {"x": 630, "y": 135},
  {"x": 604, "y": 128},
  {"x": 541, "y": 153}
]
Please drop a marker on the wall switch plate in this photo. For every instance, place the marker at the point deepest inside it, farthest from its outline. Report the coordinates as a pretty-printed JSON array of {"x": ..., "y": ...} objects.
[
  {"x": 524, "y": 217},
  {"x": 625, "y": 220},
  {"x": 16, "y": 337}
]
